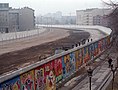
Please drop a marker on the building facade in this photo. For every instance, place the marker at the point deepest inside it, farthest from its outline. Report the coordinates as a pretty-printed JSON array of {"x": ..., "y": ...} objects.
[
  {"x": 12, "y": 20},
  {"x": 93, "y": 16},
  {"x": 4, "y": 17},
  {"x": 56, "y": 19},
  {"x": 26, "y": 19}
]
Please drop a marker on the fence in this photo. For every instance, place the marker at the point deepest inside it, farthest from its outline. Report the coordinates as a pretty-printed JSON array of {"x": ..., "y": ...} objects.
[
  {"x": 22, "y": 34},
  {"x": 44, "y": 75}
]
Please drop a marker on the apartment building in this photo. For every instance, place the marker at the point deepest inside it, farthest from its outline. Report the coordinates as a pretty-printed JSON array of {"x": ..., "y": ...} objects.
[
  {"x": 4, "y": 17},
  {"x": 12, "y": 20},
  {"x": 93, "y": 16},
  {"x": 26, "y": 19}
]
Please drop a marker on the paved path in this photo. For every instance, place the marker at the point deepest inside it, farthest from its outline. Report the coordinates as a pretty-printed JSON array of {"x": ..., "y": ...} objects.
[
  {"x": 95, "y": 34},
  {"x": 100, "y": 75}
]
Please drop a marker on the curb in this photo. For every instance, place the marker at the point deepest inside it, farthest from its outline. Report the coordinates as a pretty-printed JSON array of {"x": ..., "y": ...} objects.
[{"x": 105, "y": 82}]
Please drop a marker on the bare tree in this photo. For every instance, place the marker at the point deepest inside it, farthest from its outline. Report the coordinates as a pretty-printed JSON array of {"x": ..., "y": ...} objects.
[
  {"x": 113, "y": 20},
  {"x": 111, "y": 3}
]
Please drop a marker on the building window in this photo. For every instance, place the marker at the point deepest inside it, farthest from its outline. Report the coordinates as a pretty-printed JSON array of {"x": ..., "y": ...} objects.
[
  {"x": 0, "y": 5},
  {"x": 6, "y": 5}
]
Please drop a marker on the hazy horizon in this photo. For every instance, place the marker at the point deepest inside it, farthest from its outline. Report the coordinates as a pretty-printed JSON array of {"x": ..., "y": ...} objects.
[{"x": 42, "y": 7}]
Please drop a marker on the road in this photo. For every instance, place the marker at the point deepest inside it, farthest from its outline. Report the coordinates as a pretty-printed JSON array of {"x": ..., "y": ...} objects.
[{"x": 95, "y": 34}]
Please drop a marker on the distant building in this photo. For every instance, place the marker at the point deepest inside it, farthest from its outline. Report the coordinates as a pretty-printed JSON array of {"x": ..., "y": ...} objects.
[
  {"x": 93, "y": 16},
  {"x": 26, "y": 19},
  {"x": 4, "y": 17},
  {"x": 69, "y": 20},
  {"x": 12, "y": 20},
  {"x": 56, "y": 19}
]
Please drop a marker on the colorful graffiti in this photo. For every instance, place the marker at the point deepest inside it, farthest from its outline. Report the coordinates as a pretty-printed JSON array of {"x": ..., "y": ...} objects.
[
  {"x": 66, "y": 65},
  {"x": 40, "y": 81},
  {"x": 91, "y": 51},
  {"x": 86, "y": 54},
  {"x": 27, "y": 80},
  {"x": 72, "y": 62},
  {"x": 46, "y": 76},
  {"x": 58, "y": 69},
  {"x": 100, "y": 46},
  {"x": 12, "y": 84},
  {"x": 50, "y": 76},
  {"x": 78, "y": 58},
  {"x": 96, "y": 51}
]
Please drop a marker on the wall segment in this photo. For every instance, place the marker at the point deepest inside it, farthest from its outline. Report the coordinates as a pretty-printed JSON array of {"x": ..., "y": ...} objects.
[{"x": 48, "y": 72}]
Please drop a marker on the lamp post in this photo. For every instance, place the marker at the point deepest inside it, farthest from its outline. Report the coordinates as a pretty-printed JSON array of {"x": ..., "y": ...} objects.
[
  {"x": 113, "y": 72},
  {"x": 90, "y": 71}
]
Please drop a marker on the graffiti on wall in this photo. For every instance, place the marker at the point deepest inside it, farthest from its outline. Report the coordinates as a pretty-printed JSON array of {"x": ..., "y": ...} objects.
[
  {"x": 13, "y": 84},
  {"x": 40, "y": 81},
  {"x": 103, "y": 44},
  {"x": 66, "y": 65},
  {"x": 96, "y": 51},
  {"x": 27, "y": 80},
  {"x": 58, "y": 69},
  {"x": 72, "y": 62},
  {"x": 99, "y": 46},
  {"x": 46, "y": 76},
  {"x": 108, "y": 40},
  {"x": 85, "y": 54},
  {"x": 78, "y": 58},
  {"x": 50, "y": 76},
  {"x": 91, "y": 50}
]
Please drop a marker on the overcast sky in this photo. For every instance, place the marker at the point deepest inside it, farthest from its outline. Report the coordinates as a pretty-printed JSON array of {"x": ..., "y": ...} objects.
[{"x": 50, "y": 6}]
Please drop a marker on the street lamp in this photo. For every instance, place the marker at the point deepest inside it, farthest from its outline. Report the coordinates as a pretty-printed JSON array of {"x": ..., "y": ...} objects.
[
  {"x": 113, "y": 71},
  {"x": 90, "y": 71}
]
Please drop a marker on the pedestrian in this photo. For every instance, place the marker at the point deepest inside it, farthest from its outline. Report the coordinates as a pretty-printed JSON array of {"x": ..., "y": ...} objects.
[
  {"x": 109, "y": 61},
  {"x": 76, "y": 45},
  {"x": 88, "y": 40}
]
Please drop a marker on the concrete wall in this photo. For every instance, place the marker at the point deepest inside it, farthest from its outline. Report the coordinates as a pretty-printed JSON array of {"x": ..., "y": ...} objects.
[
  {"x": 47, "y": 73},
  {"x": 22, "y": 34},
  {"x": 101, "y": 28}
]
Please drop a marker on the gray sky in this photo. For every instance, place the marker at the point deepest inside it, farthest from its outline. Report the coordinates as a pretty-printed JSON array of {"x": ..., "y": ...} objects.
[{"x": 46, "y": 6}]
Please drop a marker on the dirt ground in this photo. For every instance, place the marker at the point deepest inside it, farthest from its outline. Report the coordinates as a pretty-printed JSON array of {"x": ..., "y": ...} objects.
[
  {"x": 47, "y": 36},
  {"x": 16, "y": 59}
]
